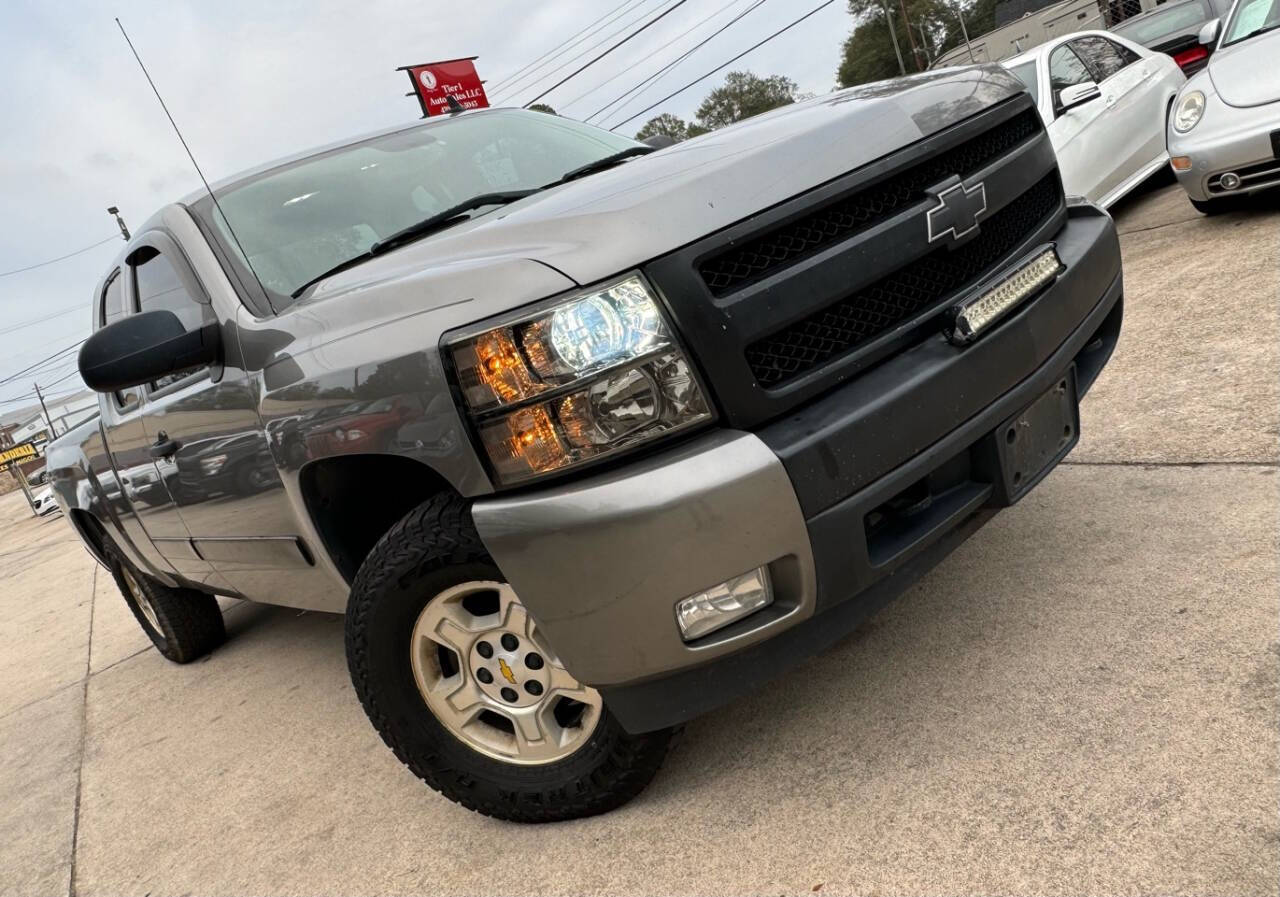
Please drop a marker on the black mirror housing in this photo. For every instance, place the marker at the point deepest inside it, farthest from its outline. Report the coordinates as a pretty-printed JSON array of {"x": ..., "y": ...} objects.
[{"x": 144, "y": 347}]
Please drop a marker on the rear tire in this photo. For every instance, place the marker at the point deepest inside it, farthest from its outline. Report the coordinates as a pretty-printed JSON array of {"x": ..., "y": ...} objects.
[
  {"x": 183, "y": 624},
  {"x": 426, "y": 568}
]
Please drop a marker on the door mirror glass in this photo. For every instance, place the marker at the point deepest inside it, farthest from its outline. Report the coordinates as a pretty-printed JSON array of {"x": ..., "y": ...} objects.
[
  {"x": 1209, "y": 33},
  {"x": 1078, "y": 95},
  {"x": 143, "y": 348}
]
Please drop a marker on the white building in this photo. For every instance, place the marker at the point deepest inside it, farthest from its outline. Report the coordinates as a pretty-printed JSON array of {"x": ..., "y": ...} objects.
[{"x": 69, "y": 411}]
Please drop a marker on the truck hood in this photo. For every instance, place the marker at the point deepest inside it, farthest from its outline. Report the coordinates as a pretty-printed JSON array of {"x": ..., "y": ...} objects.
[
  {"x": 613, "y": 221},
  {"x": 1245, "y": 74}
]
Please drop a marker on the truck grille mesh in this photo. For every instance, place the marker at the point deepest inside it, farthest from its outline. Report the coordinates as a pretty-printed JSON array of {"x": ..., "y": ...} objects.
[
  {"x": 762, "y": 255},
  {"x": 903, "y": 294}
]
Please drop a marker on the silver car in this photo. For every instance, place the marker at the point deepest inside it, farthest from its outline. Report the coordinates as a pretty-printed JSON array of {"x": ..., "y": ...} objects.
[{"x": 1224, "y": 134}]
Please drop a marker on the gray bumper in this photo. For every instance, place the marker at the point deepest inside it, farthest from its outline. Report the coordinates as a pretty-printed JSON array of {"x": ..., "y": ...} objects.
[
  {"x": 1228, "y": 139},
  {"x": 601, "y": 563}
]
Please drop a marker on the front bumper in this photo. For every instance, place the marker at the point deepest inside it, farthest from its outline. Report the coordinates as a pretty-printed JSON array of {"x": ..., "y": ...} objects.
[
  {"x": 601, "y": 562},
  {"x": 1228, "y": 139}
]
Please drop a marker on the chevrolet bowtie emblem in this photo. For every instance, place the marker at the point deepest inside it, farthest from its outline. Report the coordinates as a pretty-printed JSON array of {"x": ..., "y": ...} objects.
[
  {"x": 506, "y": 671},
  {"x": 958, "y": 210}
]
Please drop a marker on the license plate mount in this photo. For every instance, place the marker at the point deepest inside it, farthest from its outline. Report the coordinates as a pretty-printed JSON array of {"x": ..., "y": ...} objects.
[{"x": 1032, "y": 442}]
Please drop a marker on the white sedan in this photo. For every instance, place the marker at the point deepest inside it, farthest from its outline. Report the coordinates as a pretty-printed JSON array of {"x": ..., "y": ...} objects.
[{"x": 1105, "y": 102}]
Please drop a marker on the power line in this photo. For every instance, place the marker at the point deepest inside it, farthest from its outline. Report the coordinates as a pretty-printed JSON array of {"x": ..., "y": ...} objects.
[
  {"x": 655, "y": 20},
  {"x": 512, "y": 89},
  {"x": 756, "y": 46},
  {"x": 59, "y": 258},
  {"x": 57, "y": 314},
  {"x": 72, "y": 373},
  {"x": 655, "y": 52},
  {"x": 28, "y": 396},
  {"x": 573, "y": 38},
  {"x": 662, "y": 71}
]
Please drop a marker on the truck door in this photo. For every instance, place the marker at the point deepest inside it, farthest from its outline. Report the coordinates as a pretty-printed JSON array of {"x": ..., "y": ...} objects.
[
  {"x": 127, "y": 476},
  {"x": 157, "y": 277}
]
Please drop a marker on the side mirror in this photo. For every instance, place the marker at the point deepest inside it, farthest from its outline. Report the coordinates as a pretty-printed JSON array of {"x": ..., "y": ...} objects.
[
  {"x": 145, "y": 347},
  {"x": 1209, "y": 32},
  {"x": 1078, "y": 95}
]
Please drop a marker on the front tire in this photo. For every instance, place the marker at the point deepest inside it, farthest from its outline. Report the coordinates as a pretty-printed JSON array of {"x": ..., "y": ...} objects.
[{"x": 461, "y": 684}]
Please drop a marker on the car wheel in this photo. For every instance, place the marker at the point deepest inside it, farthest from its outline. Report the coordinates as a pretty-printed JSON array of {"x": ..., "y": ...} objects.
[
  {"x": 183, "y": 624},
  {"x": 1215, "y": 206},
  {"x": 461, "y": 683}
]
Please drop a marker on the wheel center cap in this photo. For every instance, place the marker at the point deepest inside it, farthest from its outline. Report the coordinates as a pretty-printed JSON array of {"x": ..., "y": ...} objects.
[{"x": 509, "y": 671}]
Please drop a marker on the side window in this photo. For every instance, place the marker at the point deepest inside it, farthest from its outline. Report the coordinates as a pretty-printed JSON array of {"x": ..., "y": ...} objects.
[
  {"x": 159, "y": 286},
  {"x": 1066, "y": 69},
  {"x": 110, "y": 311},
  {"x": 1100, "y": 55}
]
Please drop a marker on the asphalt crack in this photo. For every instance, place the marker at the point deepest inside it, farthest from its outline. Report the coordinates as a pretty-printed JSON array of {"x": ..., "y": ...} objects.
[{"x": 84, "y": 734}]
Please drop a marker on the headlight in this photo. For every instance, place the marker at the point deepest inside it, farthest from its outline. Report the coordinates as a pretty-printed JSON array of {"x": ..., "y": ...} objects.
[
  {"x": 596, "y": 373},
  {"x": 1190, "y": 108}
]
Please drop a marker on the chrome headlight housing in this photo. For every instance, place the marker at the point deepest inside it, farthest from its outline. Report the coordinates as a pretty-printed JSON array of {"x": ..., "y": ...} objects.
[
  {"x": 596, "y": 372},
  {"x": 1190, "y": 110}
]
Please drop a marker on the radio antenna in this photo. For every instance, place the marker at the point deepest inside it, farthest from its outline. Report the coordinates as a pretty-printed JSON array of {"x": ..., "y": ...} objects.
[{"x": 196, "y": 165}]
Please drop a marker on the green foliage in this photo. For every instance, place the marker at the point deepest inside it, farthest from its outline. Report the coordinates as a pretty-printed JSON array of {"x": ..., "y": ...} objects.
[
  {"x": 743, "y": 95},
  {"x": 868, "y": 51},
  {"x": 671, "y": 125}
]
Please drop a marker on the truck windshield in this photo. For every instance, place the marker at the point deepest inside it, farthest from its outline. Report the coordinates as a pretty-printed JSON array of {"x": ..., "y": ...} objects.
[{"x": 303, "y": 218}]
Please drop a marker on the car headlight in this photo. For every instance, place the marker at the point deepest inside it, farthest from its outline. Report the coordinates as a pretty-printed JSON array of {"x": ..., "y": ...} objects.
[
  {"x": 597, "y": 372},
  {"x": 1190, "y": 109}
]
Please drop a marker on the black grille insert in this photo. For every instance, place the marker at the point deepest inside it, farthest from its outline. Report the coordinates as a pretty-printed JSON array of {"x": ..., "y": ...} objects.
[
  {"x": 763, "y": 254},
  {"x": 903, "y": 294}
]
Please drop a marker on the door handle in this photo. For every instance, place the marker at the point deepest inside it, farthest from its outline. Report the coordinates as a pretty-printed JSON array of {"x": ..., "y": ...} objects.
[{"x": 164, "y": 447}]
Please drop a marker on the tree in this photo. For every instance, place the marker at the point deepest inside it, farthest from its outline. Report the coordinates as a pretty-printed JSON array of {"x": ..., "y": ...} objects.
[
  {"x": 868, "y": 51},
  {"x": 542, "y": 107},
  {"x": 743, "y": 95},
  {"x": 671, "y": 126}
]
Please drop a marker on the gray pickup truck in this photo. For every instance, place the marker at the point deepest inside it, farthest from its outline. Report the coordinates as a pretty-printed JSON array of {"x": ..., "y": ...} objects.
[{"x": 586, "y": 439}]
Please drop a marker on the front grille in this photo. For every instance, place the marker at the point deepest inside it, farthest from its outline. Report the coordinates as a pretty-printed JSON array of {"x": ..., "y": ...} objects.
[
  {"x": 766, "y": 253},
  {"x": 905, "y": 293}
]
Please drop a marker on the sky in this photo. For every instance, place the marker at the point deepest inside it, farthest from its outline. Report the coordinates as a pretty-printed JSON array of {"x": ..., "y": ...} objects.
[{"x": 251, "y": 81}]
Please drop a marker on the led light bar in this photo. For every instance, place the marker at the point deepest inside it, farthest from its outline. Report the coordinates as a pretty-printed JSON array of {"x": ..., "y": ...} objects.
[{"x": 992, "y": 301}]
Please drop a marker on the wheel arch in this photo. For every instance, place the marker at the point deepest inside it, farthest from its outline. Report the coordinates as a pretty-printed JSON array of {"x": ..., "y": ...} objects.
[{"x": 353, "y": 500}]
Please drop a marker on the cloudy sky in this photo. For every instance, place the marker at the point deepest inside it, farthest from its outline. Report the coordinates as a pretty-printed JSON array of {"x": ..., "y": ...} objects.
[{"x": 250, "y": 81}]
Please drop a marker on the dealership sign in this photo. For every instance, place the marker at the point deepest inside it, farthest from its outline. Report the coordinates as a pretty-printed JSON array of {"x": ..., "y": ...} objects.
[
  {"x": 16, "y": 455},
  {"x": 436, "y": 83}
]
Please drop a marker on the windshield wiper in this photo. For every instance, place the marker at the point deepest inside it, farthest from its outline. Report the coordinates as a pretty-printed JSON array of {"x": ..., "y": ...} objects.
[
  {"x": 601, "y": 164},
  {"x": 447, "y": 217},
  {"x": 435, "y": 222}
]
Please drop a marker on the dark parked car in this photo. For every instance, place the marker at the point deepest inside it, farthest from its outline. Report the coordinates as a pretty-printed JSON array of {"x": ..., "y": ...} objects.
[{"x": 1174, "y": 28}]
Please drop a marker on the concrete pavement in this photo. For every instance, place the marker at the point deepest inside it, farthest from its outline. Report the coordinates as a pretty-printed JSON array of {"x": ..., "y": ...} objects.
[{"x": 1082, "y": 699}]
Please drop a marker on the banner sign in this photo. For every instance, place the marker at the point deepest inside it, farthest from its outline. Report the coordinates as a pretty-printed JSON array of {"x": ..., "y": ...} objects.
[
  {"x": 17, "y": 454},
  {"x": 435, "y": 82}
]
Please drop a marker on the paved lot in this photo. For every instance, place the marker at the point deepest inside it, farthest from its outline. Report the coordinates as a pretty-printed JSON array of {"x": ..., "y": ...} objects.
[{"x": 1082, "y": 699}]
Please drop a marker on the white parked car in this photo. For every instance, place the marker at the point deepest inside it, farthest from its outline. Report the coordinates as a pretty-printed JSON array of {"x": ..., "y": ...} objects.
[
  {"x": 1105, "y": 102},
  {"x": 44, "y": 501}
]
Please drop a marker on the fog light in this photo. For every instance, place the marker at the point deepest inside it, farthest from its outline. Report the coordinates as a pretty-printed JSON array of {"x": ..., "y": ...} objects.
[
  {"x": 721, "y": 605},
  {"x": 1230, "y": 181},
  {"x": 1181, "y": 163}
]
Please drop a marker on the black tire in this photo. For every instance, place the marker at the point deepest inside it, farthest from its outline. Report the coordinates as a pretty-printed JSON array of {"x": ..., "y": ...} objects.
[
  {"x": 1215, "y": 206},
  {"x": 435, "y": 546},
  {"x": 188, "y": 624}
]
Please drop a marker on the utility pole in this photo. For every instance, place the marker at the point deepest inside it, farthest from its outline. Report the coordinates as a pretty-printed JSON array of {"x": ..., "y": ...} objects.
[
  {"x": 124, "y": 231},
  {"x": 924, "y": 44},
  {"x": 53, "y": 434},
  {"x": 911, "y": 38},
  {"x": 888, "y": 19},
  {"x": 965, "y": 31}
]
